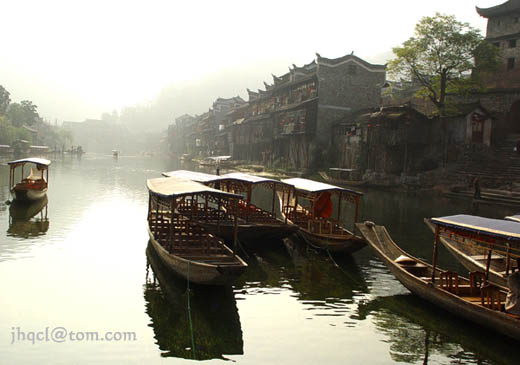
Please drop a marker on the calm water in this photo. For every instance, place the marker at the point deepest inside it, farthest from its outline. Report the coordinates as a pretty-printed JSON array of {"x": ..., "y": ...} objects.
[{"x": 82, "y": 263}]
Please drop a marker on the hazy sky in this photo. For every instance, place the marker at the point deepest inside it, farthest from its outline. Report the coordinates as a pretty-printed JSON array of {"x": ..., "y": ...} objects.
[{"x": 77, "y": 59}]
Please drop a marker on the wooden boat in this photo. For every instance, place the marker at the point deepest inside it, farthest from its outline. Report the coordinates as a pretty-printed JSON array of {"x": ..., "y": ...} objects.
[
  {"x": 473, "y": 299},
  {"x": 115, "y": 153},
  {"x": 330, "y": 178},
  {"x": 183, "y": 244},
  {"x": 254, "y": 223},
  {"x": 32, "y": 187},
  {"x": 474, "y": 257},
  {"x": 315, "y": 222}
]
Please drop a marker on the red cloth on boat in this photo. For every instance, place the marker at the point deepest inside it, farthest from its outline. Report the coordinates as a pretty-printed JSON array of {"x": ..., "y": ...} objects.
[{"x": 323, "y": 206}]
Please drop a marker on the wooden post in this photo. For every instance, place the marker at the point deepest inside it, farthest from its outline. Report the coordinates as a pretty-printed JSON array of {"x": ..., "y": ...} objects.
[
  {"x": 435, "y": 253},
  {"x": 248, "y": 202},
  {"x": 356, "y": 214},
  {"x": 339, "y": 206},
  {"x": 235, "y": 228},
  {"x": 206, "y": 207},
  {"x": 218, "y": 214},
  {"x": 488, "y": 262},
  {"x": 172, "y": 210},
  {"x": 508, "y": 258},
  {"x": 274, "y": 194},
  {"x": 284, "y": 204}
]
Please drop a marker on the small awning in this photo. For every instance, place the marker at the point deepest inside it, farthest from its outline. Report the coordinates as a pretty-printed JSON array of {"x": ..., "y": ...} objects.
[
  {"x": 220, "y": 158},
  {"x": 175, "y": 187},
  {"x": 482, "y": 226},
  {"x": 341, "y": 169},
  {"x": 239, "y": 121},
  {"x": 192, "y": 175},
  {"x": 34, "y": 160},
  {"x": 312, "y": 186}
]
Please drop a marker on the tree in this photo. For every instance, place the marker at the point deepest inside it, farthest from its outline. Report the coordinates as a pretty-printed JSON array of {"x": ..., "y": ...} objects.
[
  {"x": 441, "y": 56},
  {"x": 23, "y": 114},
  {"x": 5, "y": 100}
]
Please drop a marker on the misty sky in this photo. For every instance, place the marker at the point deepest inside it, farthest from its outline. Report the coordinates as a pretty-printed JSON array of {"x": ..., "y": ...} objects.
[{"x": 76, "y": 60}]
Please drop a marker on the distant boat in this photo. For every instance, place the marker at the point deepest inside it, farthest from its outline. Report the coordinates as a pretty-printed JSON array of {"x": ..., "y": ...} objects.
[
  {"x": 314, "y": 219},
  {"x": 32, "y": 187},
  {"x": 472, "y": 299},
  {"x": 334, "y": 174},
  {"x": 184, "y": 245}
]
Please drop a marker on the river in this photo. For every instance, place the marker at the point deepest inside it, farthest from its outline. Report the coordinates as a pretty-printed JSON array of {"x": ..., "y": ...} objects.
[{"x": 79, "y": 287}]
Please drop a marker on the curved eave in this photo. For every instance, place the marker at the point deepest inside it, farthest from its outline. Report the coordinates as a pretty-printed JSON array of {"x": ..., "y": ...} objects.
[
  {"x": 37, "y": 161},
  {"x": 508, "y": 7}
]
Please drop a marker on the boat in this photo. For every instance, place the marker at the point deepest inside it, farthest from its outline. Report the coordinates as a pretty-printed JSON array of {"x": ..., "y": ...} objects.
[
  {"x": 255, "y": 224},
  {"x": 213, "y": 308},
  {"x": 32, "y": 187},
  {"x": 182, "y": 243},
  {"x": 469, "y": 253},
  {"x": 335, "y": 177},
  {"x": 115, "y": 153},
  {"x": 472, "y": 299},
  {"x": 311, "y": 208}
]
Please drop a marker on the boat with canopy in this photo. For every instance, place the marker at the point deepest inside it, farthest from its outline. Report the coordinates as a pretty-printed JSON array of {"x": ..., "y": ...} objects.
[
  {"x": 311, "y": 208},
  {"x": 474, "y": 299},
  {"x": 480, "y": 244},
  {"x": 180, "y": 239},
  {"x": 255, "y": 224},
  {"x": 29, "y": 187}
]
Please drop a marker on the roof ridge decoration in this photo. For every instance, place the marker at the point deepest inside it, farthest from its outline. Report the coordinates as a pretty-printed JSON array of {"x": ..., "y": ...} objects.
[
  {"x": 501, "y": 9},
  {"x": 335, "y": 62}
]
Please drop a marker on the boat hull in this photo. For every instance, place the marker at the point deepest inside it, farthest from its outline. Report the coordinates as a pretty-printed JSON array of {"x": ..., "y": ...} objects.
[
  {"x": 348, "y": 243},
  {"x": 495, "y": 320},
  {"x": 28, "y": 195},
  {"x": 198, "y": 272},
  {"x": 251, "y": 233}
]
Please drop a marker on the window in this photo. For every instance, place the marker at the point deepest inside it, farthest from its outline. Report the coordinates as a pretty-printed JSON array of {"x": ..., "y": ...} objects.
[
  {"x": 511, "y": 63},
  {"x": 512, "y": 43}
]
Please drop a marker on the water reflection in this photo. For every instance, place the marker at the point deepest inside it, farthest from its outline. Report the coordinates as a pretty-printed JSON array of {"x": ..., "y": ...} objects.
[
  {"x": 28, "y": 219},
  {"x": 416, "y": 334},
  {"x": 215, "y": 321}
]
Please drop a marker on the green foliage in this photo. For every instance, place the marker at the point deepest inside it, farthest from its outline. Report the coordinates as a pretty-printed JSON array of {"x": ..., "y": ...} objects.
[
  {"x": 440, "y": 57},
  {"x": 5, "y": 100},
  {"x": 23, "y": 114}
]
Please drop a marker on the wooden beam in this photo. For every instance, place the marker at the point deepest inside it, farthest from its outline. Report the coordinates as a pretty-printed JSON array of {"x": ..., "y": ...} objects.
[{"x": 435, "y": 254}]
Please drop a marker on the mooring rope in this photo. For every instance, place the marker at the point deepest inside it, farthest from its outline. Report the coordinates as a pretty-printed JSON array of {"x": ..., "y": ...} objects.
[{"x": 189, "y": 316}]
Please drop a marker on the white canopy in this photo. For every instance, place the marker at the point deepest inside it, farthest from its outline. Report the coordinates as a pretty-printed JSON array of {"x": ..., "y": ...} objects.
[
  {"x": 174, "y": 187},
  {"x": 312, "y": 186}
]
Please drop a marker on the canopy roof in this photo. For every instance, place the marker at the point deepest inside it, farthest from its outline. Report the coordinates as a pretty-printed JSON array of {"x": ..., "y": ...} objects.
[
  {"x": 504, "y": 8},
  {"x": 200, "y": 177},
  {"x": 252, "y": 179},
  {"x": 219, "y": 158},
  {"x": 175, "y": 187},
  {"x": 312, "y": 186},
  {"x": 483, "y": 226},
  {"x": 34, "y": 160}
]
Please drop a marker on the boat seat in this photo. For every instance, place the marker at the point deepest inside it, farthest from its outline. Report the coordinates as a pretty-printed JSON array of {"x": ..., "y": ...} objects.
[
  {"x": 449, "y": 281},
  {"x": 490, "y": 298},
  {"x": 476, "y": 280}
]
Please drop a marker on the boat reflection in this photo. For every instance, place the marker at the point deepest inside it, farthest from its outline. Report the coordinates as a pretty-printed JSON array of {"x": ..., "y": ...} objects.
[
  {"x": 314, "y": 280},
  {"x": 28, "y": 220},
  {"x": 419, "y": 332},
  {"x": 214, "y": 316}
]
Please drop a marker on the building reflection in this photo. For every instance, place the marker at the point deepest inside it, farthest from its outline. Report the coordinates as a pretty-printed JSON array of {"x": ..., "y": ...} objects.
[
  {"x": 418, "y": 332},
  {"x": 28, "y": 220},
  {"x": 216, "y": 330}
]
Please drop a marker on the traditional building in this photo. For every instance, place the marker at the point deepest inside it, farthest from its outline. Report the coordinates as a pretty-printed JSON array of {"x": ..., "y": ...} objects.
[
  {"x": 503, "y": 30},
  {"x": 289, "y": 123}
]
